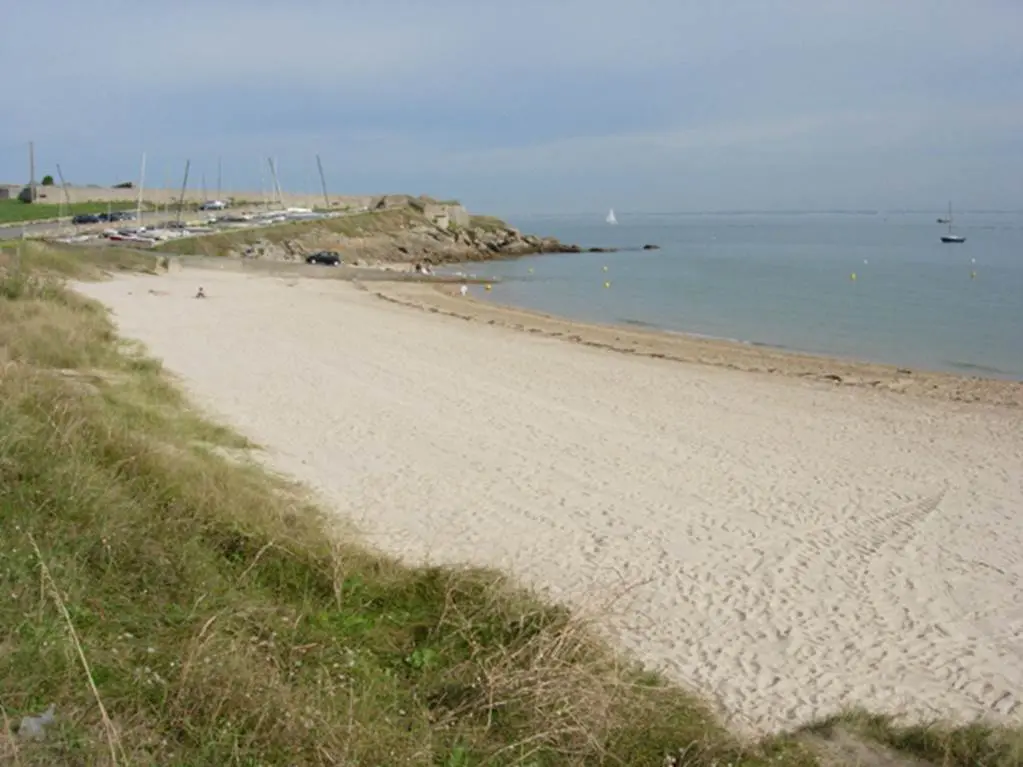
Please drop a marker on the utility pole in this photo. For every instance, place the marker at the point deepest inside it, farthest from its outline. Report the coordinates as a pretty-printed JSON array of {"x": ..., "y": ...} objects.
[{"x": 32, "y": 171}]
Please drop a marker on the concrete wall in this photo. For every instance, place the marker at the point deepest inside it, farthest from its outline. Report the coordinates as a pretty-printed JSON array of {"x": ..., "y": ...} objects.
[
  {"x": 445, "y": 215},
  {"x": 54, "y": 194}
]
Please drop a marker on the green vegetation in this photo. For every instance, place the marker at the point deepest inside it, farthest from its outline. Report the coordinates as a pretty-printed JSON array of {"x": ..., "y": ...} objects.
[
  {"x": 357, "y": 225},
  {"x": 487, "y": 223},
  {"x": 968, "y": 746},
  {"x": 15, "y": 211},
  {"x": 47, "y": 181},
  {"x": 181, "y": 606}
]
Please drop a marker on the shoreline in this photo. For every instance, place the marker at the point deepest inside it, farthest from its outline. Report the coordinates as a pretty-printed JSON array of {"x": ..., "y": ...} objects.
[
  {"x": 691, "y": 348},
  {"x": 785, "y": 550}
]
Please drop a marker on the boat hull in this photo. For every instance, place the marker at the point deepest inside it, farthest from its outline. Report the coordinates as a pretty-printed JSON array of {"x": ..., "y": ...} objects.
[{"x": 952, "y": 238}]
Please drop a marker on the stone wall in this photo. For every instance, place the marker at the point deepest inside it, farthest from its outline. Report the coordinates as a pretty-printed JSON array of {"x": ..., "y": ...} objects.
[{"x": 443, "y": 215}]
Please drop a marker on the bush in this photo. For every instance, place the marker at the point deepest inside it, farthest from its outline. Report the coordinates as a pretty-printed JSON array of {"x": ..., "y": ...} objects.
[{"x": 47, "y": 181}]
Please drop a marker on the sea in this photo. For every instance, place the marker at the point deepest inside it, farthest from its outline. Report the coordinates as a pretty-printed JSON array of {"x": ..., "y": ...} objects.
[{"x": 878, "y": 287}]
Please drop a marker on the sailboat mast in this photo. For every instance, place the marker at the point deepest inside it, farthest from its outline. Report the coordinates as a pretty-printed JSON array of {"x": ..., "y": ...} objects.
[
  {"x": 184, "y": 186},
  {"x": 142, "y": 184}
]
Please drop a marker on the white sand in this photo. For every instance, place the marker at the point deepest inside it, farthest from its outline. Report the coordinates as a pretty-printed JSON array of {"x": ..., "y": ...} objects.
[{"x": 791, "y": 548}]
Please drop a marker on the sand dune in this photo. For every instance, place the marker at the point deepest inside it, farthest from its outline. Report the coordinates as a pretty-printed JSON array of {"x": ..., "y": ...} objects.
[{"x": 785, "y": 547}]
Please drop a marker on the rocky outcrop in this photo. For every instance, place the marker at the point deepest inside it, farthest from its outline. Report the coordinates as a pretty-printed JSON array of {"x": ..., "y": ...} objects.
[{"x": 431, "y": 236}]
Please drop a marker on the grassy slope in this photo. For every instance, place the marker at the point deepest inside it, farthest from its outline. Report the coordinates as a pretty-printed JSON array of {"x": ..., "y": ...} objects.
[
  {"x": 224, "y": 622},
  {"x": 487, "y": 223},
  {"x": 221, "y": 620},
  {"x": 356, "y": 225},
  {"x": 14, "y": 211}
]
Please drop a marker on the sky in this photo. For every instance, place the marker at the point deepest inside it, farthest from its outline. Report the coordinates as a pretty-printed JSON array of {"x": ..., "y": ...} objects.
[{"x": 533, "y": 106}]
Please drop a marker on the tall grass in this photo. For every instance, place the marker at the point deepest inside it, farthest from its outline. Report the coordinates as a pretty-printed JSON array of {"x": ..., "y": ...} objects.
[{"x": 180, "y": 605}]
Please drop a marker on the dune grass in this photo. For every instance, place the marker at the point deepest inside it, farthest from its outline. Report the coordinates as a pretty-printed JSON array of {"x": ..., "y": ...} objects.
[
  {"x": 15, "y": 211},
  {"x": 972, "y": 745},
  {"x": 179, "y": 605}
]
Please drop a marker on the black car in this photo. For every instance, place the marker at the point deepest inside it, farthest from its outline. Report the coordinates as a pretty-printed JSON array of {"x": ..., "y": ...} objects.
[
  {"x": 85, "y": 218},
  {"x": 325, "y": 257}
]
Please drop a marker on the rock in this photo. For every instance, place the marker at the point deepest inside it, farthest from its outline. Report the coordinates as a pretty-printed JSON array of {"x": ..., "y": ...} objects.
[
  {"x": 34, "y": 727},
  {"x": 418, "y": 240},
  {"x": 602, "y": 250},
  {"x": 651, "y": 247}
]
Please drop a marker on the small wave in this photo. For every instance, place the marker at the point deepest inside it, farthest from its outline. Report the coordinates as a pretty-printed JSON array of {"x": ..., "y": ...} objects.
[
  {"x": 976, "y": 367},
  {"x": 638, "y": 323},
  {"x": 689, "y": 333},
  {"x": 766, "y": 345}
]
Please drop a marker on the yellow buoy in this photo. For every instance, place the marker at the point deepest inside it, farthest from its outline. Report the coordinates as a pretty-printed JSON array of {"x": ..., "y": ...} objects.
[
  {"x": 488, "y": 287},
  {"x": 607, "y": 284},
  {"x": 530, "y": 270},
  {"x": 973, "y": 275},
  {"x": 853, "y": 276}
]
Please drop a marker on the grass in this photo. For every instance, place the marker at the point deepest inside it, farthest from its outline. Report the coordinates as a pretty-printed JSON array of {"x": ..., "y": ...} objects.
[
  {"x": 358, "y": 225},
  {"x": 487, "y": 223},
  {"x": 181, "y": 606},
  {"x": 973, "y": 745},
  {"x": 15, "y": 211}
]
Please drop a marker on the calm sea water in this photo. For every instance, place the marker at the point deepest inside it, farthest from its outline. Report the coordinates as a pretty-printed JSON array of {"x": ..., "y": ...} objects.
[{"x": 785, "y": 280}]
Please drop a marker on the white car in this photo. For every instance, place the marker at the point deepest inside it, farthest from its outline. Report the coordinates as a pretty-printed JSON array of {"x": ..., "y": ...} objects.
[{"x": 213, "y": 205}]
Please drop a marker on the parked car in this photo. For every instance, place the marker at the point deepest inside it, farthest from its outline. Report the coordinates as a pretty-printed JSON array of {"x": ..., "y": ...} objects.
[
  {"x": 325, "y": 257},
  {"x": 213, "y": 205},
  {"x": 86, "y": 218}
]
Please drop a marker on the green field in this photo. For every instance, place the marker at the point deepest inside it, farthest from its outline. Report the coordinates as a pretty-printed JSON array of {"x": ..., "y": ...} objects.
[
  {"x": 15, "y": 211},
  {"x": 180, "y": 606}
]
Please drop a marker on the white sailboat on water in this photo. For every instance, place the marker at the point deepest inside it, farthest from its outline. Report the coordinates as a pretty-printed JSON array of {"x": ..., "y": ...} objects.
[
  {"x": 611, "y": 217},
  {"x": 950, "y": 237}
]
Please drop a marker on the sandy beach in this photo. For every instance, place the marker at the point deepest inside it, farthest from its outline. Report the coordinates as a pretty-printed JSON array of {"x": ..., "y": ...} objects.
[{"x": 786, "y": 545}]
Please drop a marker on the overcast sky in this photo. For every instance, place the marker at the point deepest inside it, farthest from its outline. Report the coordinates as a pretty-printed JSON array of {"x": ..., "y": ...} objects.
[{"x": 533, "y": 105}]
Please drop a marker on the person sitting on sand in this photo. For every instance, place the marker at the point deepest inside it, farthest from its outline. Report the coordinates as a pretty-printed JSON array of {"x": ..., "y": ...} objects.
[{"x": 201, "y": 293}]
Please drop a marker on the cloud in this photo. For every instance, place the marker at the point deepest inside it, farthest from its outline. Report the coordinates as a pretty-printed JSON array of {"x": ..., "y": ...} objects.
[{"x": 525, "y": 103}]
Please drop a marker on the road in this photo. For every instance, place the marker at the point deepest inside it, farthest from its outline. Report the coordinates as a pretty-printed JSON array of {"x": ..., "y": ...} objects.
[{"x": 14, "y": 232}]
